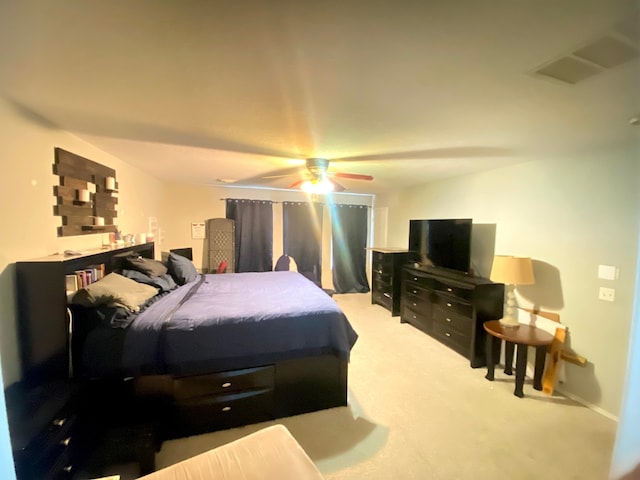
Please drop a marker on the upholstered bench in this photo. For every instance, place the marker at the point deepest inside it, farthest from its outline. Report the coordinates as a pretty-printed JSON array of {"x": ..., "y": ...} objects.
[{"x": 268, "y": 453}]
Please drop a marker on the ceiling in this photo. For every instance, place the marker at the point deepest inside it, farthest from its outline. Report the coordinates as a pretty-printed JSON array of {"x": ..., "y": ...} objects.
[{"x": 407, "y": 91}]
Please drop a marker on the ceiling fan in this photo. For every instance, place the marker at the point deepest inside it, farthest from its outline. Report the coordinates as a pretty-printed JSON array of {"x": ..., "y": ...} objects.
[
  {"x": 315, "y": 175},
  {"x": 319, "y": 180}
]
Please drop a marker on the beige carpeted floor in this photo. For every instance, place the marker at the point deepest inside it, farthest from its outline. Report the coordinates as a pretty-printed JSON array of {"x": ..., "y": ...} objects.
[{"x": 418, "y": 411}]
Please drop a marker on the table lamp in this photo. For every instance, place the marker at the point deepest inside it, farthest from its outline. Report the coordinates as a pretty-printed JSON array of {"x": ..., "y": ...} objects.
[{"x": 511, "y": 271}]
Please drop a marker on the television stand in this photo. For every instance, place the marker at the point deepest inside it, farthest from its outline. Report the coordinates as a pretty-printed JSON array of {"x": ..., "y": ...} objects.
[{"x": 451, "y": 307}]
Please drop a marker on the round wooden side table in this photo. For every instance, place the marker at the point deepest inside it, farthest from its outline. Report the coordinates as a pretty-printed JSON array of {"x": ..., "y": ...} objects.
[{"x": 522, "y": 336}]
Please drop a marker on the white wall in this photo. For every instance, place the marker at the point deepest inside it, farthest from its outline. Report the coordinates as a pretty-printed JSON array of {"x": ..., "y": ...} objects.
[
  {"x": 29, "y": 228},
  {"x": 626, "y": 454},
  {"x": 569, "y": 215}
]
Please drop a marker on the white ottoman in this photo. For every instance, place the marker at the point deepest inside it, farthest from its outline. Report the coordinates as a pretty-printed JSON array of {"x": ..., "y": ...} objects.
[{"x": 270, "y": 453}]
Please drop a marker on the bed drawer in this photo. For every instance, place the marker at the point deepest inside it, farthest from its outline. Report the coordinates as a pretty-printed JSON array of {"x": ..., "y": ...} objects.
[
  {"x": 224, "y": 411},
  {"x": 195, "y": 386}
]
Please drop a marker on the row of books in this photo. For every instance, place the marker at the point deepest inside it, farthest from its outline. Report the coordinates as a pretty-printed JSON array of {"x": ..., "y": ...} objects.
[{"x": 81, "y": 278}]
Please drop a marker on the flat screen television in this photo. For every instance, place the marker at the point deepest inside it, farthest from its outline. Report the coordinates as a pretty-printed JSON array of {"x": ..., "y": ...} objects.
[{"x": 441, "y": 243}]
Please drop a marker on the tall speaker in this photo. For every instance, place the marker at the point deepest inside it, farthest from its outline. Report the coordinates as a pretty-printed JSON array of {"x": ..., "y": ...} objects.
[{"x": 220, "y": 242}]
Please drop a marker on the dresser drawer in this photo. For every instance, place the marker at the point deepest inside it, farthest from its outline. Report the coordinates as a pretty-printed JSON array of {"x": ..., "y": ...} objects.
[
  {"x": 63, "y": 468},
  {"x": 422, "y": 320},
  {"x": 49, "y": 455},
  {"x": 382, "y": 298},
  {"x": 451, "y": 320},
  {"x": 195, "y": 386},
  {"x": 385, "y": 277},
  {"x": 382, "y": 286},
  {"x": 459, "y": 341},
  {"x": 417, "y": 303},
  {"x": 449, "y": 304},
  {"x": 415, "y": 289},
  {"x": 451, "y": 289},
  {"x": 380, "y": 261},
  {"x": 418, "y": 279}
]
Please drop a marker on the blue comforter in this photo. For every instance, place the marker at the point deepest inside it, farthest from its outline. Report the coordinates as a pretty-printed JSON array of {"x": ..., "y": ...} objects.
[{"x": 236, "y": 321}]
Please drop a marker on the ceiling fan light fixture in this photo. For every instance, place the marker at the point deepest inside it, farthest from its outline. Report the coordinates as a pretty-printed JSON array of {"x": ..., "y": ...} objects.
[{"x": 318, "y": 186}]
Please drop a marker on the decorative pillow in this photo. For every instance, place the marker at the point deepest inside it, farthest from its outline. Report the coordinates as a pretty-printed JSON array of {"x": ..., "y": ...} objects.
[
  {"x": 164, "y": 282},
  {"x": 116, "y": 291},
  {"x": 181, "y": 269},
  {"x": 148, "y": 266}
]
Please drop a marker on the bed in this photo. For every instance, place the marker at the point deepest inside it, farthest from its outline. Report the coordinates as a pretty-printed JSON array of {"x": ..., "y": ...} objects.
[{"x": 220, "y": 350}]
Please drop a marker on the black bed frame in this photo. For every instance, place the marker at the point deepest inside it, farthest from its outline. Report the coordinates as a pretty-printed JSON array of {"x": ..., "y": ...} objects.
[{"x": 178, "y": 406}]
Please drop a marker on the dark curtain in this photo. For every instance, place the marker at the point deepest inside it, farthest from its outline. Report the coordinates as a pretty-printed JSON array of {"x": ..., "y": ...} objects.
[
  {"x": 349, "y": 237},
  {"x": 302, "y": 237},
  {"x": 254, "y": 234}
]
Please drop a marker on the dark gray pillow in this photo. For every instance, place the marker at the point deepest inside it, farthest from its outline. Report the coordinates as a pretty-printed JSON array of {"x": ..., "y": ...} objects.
[
  {"x": 164, "y": 282},
  {"x": 181, "y": 269},
  {"x": 148, "y": 266}
]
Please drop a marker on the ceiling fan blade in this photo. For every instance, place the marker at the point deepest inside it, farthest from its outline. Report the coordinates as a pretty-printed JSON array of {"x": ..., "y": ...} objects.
[
  {"x": 353, "y": 176},
  {"x": 272, "y": 175},
  {"x": 337, "y": 187},
  {"x": 431, "y": 153}
]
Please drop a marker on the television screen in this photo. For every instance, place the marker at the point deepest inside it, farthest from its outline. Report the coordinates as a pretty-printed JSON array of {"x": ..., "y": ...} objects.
[{"x": 443, "y": 243}]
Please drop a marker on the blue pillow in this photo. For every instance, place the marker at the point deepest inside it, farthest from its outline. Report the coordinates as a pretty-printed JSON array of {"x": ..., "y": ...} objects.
[{"x": 181, "y": 269}]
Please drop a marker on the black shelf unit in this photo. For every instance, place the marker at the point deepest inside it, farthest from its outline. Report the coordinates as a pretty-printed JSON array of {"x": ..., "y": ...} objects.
[{"x": 47, "y": 408}]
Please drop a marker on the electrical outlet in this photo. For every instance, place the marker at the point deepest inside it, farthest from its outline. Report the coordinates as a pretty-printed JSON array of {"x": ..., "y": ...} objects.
[{"x": 607, "y": 294}]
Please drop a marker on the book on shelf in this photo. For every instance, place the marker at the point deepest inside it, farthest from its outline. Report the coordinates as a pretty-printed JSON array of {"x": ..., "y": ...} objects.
[{"x": 88, "y": 275}]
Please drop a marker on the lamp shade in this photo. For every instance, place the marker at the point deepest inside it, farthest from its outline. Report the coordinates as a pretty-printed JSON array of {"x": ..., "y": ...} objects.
[{"x": 512, "y": 270}]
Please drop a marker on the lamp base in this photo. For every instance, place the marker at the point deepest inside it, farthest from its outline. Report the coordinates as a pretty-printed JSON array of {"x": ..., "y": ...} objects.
[{"x": 509, "y": 322}]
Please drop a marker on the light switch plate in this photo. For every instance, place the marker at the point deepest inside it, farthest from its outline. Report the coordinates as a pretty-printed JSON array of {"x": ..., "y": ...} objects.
[{"x": 607, "y": 272}]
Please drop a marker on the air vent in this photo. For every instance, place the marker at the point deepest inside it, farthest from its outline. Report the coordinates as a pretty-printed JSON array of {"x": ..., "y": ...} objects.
[
  {"x": 620, "y": 45},
  {"x": 607, "y": 52},
  {"x": 568, "y": 70}
]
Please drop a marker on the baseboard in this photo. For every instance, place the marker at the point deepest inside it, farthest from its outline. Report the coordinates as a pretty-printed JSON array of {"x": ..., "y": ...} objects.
[{"x": 589, "y": 405}]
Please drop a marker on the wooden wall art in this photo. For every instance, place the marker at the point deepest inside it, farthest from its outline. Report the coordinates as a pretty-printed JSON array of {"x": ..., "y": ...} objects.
[{"x": 85, "y": 195}]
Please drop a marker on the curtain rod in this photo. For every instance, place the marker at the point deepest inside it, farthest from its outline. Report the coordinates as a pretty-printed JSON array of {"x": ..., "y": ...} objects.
[{"x": 288, "y": 201}]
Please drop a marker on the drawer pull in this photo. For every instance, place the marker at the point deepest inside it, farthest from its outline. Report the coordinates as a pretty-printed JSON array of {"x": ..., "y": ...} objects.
[
  {"x": 415, "y": 291},
  {"x": 449, "y": 289},
  {"x": 415, "y": 279},
  {"x": 448, "y": 304},
  {"x": 58, "y": 422},
  {"x": 447, "y": 334},
  {"x": 226, "y": 385},
  {"x": 68, "y": 468},
  {"x": 414, "y": 317},
  {"x": 66, "y": 441},
  {"x": 226, "y": 409},
  {"x": 448, "y": 319},
  {"x": 415, "y": 304}
]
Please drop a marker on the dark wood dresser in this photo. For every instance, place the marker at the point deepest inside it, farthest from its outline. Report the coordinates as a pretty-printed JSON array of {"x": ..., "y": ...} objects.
[
  {"x": 386, "y": 271},
  {"x": 451, "y": 308},
  {"x": 43, "y": 422}
]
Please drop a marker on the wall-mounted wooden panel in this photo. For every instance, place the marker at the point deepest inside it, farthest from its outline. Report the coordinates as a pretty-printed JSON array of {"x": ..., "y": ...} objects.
[{"x": 85, "y": 196}]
